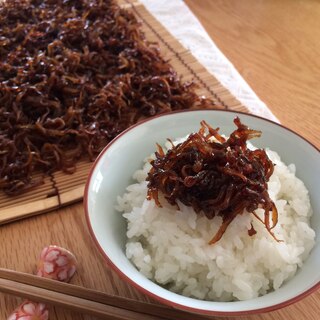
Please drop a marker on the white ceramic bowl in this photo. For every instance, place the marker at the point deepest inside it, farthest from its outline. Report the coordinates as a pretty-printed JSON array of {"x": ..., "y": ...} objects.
[{"x": 112, "y": 172}]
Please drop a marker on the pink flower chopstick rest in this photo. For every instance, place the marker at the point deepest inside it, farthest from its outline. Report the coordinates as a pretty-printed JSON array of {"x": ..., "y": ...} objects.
[
  {"x": 55, "y": 263},
  {"x": 29, "y": 310}
]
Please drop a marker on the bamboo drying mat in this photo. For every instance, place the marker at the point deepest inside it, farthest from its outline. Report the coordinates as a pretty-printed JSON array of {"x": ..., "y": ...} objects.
[{"x": 62, "y": 189}]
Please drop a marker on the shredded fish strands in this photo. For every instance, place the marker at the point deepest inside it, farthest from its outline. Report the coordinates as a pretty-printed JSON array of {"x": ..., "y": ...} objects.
[
  {"x": 73, "y": 75},
  {"x": 216, "y": 176}
]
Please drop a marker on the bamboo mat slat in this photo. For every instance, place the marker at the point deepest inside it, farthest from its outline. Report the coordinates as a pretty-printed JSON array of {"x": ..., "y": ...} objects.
[{"x": 61, "y": 189}]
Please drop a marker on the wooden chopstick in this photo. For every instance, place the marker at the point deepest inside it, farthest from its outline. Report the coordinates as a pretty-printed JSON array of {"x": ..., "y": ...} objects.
[{"x": 85, "y": 300}]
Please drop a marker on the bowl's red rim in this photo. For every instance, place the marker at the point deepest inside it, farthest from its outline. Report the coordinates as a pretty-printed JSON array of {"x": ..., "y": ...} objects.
[{"x": 147, "y": 292}]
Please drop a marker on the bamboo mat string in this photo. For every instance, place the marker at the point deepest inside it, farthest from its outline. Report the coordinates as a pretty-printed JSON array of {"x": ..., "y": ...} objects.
[{"x": 55, "y": 189}]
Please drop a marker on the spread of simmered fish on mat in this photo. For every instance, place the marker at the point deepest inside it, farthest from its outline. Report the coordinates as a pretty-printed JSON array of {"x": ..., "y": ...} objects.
[{"x": 73, "y": 75}]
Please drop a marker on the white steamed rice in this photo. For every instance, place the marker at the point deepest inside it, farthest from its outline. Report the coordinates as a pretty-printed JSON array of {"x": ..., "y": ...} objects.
[{"x": 170, "y": 246}]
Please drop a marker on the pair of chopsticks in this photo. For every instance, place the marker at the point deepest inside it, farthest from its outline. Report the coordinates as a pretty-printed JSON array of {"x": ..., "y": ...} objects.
[{"x": 85, "y": 300}]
